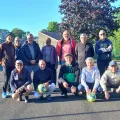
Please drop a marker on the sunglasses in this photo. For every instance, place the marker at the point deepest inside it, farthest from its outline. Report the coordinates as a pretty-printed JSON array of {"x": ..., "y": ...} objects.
[{"x": 102, "y": 34}]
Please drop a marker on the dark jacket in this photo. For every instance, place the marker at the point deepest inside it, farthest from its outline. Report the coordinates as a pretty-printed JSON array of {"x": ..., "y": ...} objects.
[
  {"x": 27, "y": 53},
  {"x": 7, "y": 54},
  {"x": 87, "y": 49},
  {"x": 42, "y": 76},
  {"x": 19, "y": 53},
  {"x": 102, "y": 50},
  {"x": 19, "y": 80},
  {"x": 69, "y": 69},
  {"x": 53, "y": 54}
]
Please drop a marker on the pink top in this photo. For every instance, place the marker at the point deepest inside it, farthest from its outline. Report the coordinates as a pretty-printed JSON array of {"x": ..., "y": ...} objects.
[{"x": 66, "y": 48}]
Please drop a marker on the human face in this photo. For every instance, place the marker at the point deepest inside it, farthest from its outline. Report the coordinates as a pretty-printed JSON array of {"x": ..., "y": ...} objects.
[
  {"x": 19, "y": 66},
  {"x": 30, "y": 38},
  {"x": 9, "y": 38},
  {"x": 89, "y": 64},
  {"x": 17, "y": 42},
  {"x": 83, "y": 38},
  {"x": 48, "y": 41},
  {"x": 113, "y": 68},
  {"x": 66, "y": 35},
  {"x": 102, "y": 35},
  {"x": 42, "y": 65},
  {"x": 68, "y": 60}
]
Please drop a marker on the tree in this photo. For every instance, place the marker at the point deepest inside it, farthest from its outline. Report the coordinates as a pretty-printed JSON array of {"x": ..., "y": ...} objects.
[
  {"x": 53, "y": 27},
  {"x": 116, "y": 40},
  {"x": 18, "y": 33},
  {"x": 44, "y": 30},
  {"x": 88, "y": 16}
]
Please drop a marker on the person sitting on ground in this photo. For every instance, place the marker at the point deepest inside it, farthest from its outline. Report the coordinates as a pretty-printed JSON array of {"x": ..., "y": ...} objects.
[
  {"x": 90, "y": 78},
  {"x": 111, "y": 79},
  {"x": 68, "y": 76},
  {"x": 44, "y": 76},
  {"x": 20, "y": 82}
]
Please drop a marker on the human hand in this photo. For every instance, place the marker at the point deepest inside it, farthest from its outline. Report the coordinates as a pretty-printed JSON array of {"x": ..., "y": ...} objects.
[
  {"x": 107, "y": 95},
  {"x": 94, "y": 91},
  {"x": 65, "y": 84},
  {"x": 33, "y": 61},
  {"x": 118, "y": 90}
]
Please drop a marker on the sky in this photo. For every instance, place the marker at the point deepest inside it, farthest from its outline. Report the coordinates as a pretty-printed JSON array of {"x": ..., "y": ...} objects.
[{"x": 30, "y": 15}]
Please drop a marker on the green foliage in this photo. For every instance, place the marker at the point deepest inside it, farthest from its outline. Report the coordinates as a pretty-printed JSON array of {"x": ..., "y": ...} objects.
[
  {"x": 19, "y": 33},
  {"x": 53, "y": 27},
  {"x": 44, "y": 30},
  {"x": 116, "y": 43},
  {"x": 88, "y": 16}
]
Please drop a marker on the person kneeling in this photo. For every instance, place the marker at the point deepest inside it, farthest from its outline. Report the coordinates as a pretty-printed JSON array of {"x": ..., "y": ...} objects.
[
  {"x": 43, "y": 76},
  {"x": 111, "y": 79},
  {"x": 90, "y": 78},
  {"x": 68, "y": 77},
  {"x": 20, "y": 82}
]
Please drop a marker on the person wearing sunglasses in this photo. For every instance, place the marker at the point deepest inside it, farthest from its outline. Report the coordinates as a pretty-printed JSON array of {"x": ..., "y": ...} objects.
[
  {"x": 103, "y": 49},
  {"x": 20, "y": 82}
]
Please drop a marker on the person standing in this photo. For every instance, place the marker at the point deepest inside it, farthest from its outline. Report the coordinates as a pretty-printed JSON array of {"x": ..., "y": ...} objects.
[
  {"x": 18, "y": 49},
  {"x": 7, "y": 58},
  {"x": 103, "y": 49},
  {"x": 83, "y": 50},
  {"x": 32, "y": 54},
  {"x": 65, "y": 46},
  {"x": 50, "y": 57}
]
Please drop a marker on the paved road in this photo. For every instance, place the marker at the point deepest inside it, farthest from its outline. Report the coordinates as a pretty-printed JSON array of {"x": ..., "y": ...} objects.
[{"x": 72, "y": 108}]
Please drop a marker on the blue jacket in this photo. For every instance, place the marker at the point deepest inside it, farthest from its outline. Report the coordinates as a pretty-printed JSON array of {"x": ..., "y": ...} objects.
[
  {"x": 19, "y": 80},
  {"x": 42, "y": 76},
  {"x": 102, "y": 49},
  {"x": 19, "y": 53},
  {"x": 27, "y": 53}
]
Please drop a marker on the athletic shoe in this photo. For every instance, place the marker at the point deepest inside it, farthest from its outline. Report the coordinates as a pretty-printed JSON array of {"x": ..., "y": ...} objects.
[{"x": 4, "y": 95}]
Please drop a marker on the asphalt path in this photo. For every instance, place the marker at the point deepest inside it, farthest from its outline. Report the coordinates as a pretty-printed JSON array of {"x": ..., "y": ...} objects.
[{"x": 71, "y": 108}]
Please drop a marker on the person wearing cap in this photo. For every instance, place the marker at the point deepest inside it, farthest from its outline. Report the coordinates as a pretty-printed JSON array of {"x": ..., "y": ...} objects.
[
  {"x": 111, "y": 79},
  {"x": 44, "y": 76},
  {"x": 103, "y": 49},
  {"x": 90, "y": 78},
  {"x": 18, "y": 49},
  {"x": 64, "y": 46},
  {"x": 83, "y": 50},
  {"x": 68, "y": 76},
  {"x": 32, "y": 54},
  {"x": 20, "y": 82},
  {"x": 7, "y": 58}
]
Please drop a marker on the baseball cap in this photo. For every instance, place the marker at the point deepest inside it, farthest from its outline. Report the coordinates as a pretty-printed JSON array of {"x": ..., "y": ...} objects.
[
  {"x": 68, "y": 54},
  {"x": 113, "y": 63}
]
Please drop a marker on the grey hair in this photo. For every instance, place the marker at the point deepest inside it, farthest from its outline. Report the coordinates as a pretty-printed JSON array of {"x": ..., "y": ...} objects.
[
  {"x": 89, "y": 59},
  {"x": 84, "y": 35}
]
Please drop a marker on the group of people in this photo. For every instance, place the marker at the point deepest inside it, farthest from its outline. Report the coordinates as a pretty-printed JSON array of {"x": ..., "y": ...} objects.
[{"x": 77, "y": 72}]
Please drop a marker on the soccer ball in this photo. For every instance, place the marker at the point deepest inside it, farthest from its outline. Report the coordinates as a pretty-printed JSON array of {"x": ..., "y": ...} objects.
[
  {"x": 91, "y": 97},
  {"x": 41, "y": 88}
]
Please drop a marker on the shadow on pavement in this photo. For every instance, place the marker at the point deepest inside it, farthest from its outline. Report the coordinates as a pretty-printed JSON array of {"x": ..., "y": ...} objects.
[{"x": 65, "y": 115}]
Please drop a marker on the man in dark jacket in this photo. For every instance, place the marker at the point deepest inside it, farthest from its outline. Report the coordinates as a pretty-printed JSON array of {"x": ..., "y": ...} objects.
[
  {"x": 32, "y": 53},
  {"x": 43, "y": 76},
  {"x": 68, "y": 77},
  {"x": 83, "y": 50},
  {"x": 7, "y": 57},
  {"x": 20, "y": 82},
  {"x": 103, "y": 49}
]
